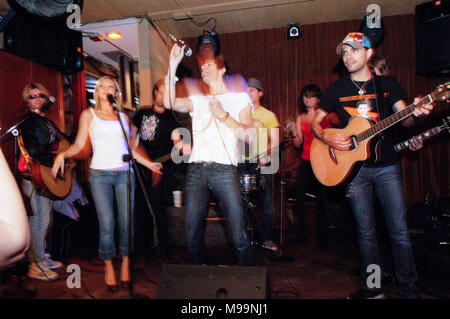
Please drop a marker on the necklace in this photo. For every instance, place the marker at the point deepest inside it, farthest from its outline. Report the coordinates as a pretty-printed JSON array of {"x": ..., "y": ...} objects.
[{"x": 361, "y": 88}]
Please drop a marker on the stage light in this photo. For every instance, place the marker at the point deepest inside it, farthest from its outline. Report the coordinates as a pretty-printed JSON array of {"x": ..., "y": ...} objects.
[
  {"x": 114, "y": 35},
  {"x": 293, "y": 31}
]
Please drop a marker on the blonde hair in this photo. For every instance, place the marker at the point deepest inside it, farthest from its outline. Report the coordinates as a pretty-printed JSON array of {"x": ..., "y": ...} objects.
[
  {"x": 32, "y": 86},
  {"x": 118, "y": 95}
]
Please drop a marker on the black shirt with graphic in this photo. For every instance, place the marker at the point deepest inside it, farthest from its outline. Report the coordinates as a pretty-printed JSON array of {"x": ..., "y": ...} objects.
[
  {"x": 342, "y": 96},
  {"x": 155, "y": 131}
]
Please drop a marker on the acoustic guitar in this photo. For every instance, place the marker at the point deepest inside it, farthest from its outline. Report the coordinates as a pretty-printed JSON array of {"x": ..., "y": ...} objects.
[
  {"x": 332, "y": 167},
  {"x": 424, "y": 135},
  {"x": 56, "y": 188}
]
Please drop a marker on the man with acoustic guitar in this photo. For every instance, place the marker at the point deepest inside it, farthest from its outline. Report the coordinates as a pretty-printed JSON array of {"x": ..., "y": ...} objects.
[
  {"x": 380, "y": 173},
  {"x": 39, "y": 136}
]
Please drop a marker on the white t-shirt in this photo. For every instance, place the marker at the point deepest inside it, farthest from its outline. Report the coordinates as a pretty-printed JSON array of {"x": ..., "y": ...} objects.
[{"x": 208, "y": 146}]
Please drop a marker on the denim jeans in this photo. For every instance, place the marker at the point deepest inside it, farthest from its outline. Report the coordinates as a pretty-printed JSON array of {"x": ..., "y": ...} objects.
[
  {"x": 104, "y": 185},
  {"x": 40, "y": 220},
  {"x": 222, "y": 180},
  {"x": 386, "y": 182}
]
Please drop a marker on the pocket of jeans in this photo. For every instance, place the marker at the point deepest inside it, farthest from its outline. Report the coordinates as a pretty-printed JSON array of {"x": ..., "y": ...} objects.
[
  {"x": 95, "y": 172},
  {"x": 192, "y": 167},
  {"x": 224, "y": 168}
]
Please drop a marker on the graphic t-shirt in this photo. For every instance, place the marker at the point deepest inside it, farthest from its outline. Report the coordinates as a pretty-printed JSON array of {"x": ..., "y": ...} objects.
[
  {"x": 342, "y": 96},
  {"x": 155, "y": 131}
]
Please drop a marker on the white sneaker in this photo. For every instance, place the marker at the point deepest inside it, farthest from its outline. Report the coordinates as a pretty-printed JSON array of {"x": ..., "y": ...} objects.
[
  {"x": 52, "y": 264},
  {"x": 41, "y": 271},
  {"x": 268, "y": 244}
]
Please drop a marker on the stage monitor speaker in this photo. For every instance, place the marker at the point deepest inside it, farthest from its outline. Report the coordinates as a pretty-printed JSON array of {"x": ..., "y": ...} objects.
[
  {"x": 212, "y": 282},
  {"x": 49, "y": 42},
  {"x": 433, "y": 38}
]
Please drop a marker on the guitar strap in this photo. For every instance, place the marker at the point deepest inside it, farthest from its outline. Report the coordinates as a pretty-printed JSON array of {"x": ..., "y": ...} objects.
[
  {"x": 25, "y": 160},
  {"x": 380, "y": 107},
  {"x": 380, "y": 97}
]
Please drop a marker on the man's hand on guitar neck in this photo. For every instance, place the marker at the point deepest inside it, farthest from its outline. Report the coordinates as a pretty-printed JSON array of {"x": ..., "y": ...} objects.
[{"x": 424, "y": 109}]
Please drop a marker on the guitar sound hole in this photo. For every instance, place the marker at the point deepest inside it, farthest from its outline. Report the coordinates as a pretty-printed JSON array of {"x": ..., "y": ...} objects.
[{"x": 354, "y": 145}]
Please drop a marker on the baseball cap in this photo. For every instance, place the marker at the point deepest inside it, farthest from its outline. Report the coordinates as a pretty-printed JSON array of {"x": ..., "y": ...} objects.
[
  {"x": 356, "y": 40},
  {"x": 255, "y": 83}
]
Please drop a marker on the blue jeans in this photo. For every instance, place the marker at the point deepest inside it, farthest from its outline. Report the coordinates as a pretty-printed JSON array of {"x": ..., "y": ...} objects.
[
  {"x": 104, "y": 185},
  {"x": 386, "y": 182},
  {"x": 222, "y": 180},
  {"x": 39, "y": 221}
]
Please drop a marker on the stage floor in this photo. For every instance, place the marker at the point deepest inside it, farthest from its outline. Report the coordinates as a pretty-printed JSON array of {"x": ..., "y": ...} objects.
[{"x": 313, "y": 273}]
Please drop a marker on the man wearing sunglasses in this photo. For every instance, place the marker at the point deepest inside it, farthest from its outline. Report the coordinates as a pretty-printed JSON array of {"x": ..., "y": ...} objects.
[{"x": 38, "y": 138}]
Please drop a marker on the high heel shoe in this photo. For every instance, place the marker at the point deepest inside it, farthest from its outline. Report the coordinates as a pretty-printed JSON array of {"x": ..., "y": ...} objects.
[
  {"x": 125, "y": 284},
  {"x": 112, "y": 288}
]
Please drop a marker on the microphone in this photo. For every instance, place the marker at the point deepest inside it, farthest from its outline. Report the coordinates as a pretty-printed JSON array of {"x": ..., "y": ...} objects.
[
  {"x": 187, "y": 50},
  {"x": 112, "y": 100},
  {"x": 46, "y": 106}
]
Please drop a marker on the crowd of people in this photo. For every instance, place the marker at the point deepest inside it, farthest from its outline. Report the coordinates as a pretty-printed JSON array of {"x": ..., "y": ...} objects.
[{"x": 223, "y": 118}]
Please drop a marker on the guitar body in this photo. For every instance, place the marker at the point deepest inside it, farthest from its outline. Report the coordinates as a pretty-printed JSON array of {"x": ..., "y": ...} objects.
[
  {"x": 331, "y": 166},
  {"x": 58, "y": 188}
]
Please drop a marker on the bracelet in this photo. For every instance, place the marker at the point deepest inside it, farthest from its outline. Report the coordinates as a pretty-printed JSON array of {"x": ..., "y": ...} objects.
[{"x": 223, "y": 119}]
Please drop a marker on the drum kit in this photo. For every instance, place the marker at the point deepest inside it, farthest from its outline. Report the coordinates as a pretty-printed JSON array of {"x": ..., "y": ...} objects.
[{"x": 251, "y": 182}]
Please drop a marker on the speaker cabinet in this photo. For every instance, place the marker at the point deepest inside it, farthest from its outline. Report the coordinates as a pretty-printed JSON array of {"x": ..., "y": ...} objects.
[
  {"x": 212, "y": 282},
  {"x": 433, "y": 38},
  {"x": 46, "y": 41}
]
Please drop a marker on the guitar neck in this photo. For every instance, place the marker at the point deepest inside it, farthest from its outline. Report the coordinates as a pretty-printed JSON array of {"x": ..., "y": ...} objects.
[
  {"x": 164, "y": 158},
  {"x": 391, "y": 120},
  {"x": 421, "y": 137},
  {"x": 256, "y": 157}
]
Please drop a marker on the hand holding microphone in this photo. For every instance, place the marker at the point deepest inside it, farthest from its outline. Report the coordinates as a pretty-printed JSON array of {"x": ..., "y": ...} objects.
[{"x": 187, "y": 50}]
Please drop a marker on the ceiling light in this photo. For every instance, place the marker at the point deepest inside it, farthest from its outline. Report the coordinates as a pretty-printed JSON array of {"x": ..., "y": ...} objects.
[{"x": 114, "y": 35}]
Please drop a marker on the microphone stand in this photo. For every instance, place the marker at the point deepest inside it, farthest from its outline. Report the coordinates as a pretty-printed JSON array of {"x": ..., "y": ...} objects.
[
  {"x": 130, "y": 158},
  {"x": 280, "y": 255},
  {"x": 15, "y": 132}
]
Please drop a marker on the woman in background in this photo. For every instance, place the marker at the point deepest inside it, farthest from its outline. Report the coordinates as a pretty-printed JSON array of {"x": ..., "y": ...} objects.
[
  {"x": 108, "y": 173},
  {"x": 307, "y": 182}
]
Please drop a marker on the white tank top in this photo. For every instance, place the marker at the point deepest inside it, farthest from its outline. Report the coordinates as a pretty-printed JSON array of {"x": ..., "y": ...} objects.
[{"x": 108, "y": 143}]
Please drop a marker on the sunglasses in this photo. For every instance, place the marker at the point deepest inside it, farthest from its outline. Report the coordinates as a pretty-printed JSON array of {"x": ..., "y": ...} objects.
[{"x": 32, "y": 97}]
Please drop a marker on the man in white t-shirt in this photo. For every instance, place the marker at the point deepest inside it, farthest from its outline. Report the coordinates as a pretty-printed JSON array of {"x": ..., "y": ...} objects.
[{"x": 220, "y": 118}]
